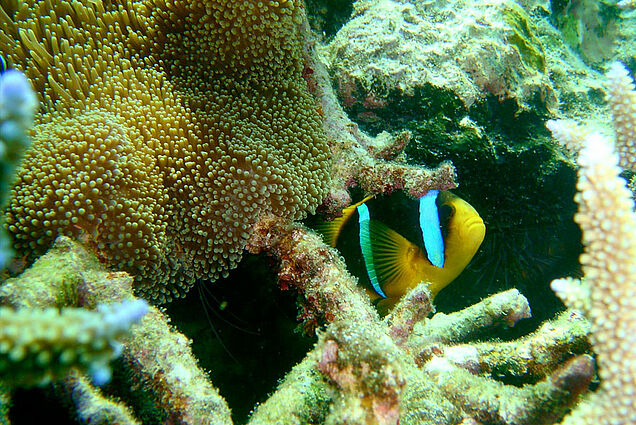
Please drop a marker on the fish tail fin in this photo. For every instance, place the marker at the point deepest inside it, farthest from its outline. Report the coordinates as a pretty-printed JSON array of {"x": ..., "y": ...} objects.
[{"x": 330, "y": 230}]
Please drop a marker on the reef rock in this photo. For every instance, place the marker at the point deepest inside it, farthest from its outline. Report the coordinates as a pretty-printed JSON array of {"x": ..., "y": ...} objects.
[{"x": 391, "y": 50}]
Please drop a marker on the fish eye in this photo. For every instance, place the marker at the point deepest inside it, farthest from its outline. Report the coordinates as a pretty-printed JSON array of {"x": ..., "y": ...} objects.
[{"x": 445, "y": 212}]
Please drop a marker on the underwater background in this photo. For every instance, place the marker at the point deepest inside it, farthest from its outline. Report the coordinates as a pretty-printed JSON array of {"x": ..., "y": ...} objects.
[{"x": 169, "y": 133}]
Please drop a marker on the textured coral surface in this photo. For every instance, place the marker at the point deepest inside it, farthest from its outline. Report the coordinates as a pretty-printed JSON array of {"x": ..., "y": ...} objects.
[
  {"x": 607, "y": 220},
  {"x": 167, "y": 130},
  {"x": 173, "y": 135}
]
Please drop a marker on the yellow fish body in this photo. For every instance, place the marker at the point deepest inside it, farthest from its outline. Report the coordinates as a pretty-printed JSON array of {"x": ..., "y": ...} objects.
[{"x": 450, "y": 233}]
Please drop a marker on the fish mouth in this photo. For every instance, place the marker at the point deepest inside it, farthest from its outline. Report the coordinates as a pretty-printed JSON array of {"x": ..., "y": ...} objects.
[{"x": 473, "y": 224}]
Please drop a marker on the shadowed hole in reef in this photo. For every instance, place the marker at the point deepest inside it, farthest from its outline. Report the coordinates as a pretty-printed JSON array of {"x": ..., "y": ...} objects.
[
  {"x": 519, "y": 180},
  {"x": 50, "y": 407},
  {"x": 522, "y": 184},
  {"x": 328, "y": 16},
  {"x": 255, "y": 340}
]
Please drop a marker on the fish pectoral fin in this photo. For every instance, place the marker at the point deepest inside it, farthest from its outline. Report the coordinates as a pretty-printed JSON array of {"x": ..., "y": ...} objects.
[{"x": 393, "y": 258}]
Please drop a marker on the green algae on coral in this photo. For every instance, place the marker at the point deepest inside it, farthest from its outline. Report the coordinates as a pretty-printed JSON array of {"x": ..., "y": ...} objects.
[
  {"x": 591, "y": 27},
  {"x": 523, "y": 36}
]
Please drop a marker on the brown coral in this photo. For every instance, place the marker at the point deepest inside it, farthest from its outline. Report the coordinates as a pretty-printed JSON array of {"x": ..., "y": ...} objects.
[{"x": 168, "y": 130}]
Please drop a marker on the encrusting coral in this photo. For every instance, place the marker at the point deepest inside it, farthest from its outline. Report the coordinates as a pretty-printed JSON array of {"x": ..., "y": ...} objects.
[
  {"x": 168, "y": 129},
  {"x": 376, "y": 165},
  {"x": 608, "y": 223}
]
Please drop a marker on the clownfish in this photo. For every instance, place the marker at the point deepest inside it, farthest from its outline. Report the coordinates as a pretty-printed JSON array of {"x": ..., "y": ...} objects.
[
  {"x": 443, "y": 233},
  {"x": 3, "y": 64}
]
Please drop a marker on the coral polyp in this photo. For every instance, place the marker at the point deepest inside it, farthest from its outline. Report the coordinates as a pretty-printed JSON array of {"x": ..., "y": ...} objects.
[{"x": 163, "y": 139}]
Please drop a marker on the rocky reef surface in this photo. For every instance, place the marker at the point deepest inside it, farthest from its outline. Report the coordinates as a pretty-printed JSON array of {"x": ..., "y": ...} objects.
[{"x": 176, "y": 141}]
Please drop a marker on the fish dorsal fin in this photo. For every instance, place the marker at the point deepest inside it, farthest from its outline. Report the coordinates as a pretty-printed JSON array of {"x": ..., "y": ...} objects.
[
  {"x": 330, "y": 230},
  {"x": 388, "y": 257},
  {"x": 431, "y": 229}
]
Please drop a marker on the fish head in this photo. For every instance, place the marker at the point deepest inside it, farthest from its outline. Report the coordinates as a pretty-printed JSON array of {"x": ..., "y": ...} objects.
[{"x": 465, "y": 229}]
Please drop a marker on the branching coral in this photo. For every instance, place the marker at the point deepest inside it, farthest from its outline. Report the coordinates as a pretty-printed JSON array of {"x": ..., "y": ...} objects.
[
  {"x": 608, "y": 222},
  {"x": 18, "y": 104},
  {"x": 362, "y": 370},
  {"x": 378, "y": 386},
  {"x": 168, "y": 129},
  {"x": 621, "y": 96},
  {"x": 38, "y": 346},
  {"x": 158, "y": 358},
  {"x": 183, "y": 133}
]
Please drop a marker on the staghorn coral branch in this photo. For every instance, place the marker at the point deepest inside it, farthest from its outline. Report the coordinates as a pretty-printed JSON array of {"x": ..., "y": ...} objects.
[
  {"x": 621, "y": 98},
  {"x": 92, "y": 406},
  {"x": 365, "y": 375},
  {"x": 529, "y": 358},
  {"x": 504, "y": 308},
  {"x": 366, "y": 368},
  {"x": 357, "y": 373},
  {"x": 606, "y": 293},
  {"x": 355, "y": 353},
  {"x": 304, "y": 394},
  {"x": 163, "y": 361},
  {"x": 412, "y": 308},
  {"x": 314, "y": 269},
  {"x": 370, "y": 378},
  {"x": 384, "y": 177},
  {"x": 492, "y": 402},
  {"x": 158, "y": 356},
  {"x": 38, "y": 346}
]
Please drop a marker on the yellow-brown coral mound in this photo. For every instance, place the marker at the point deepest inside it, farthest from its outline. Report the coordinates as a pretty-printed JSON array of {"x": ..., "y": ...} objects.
[{"x": 169, "y": 128}]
